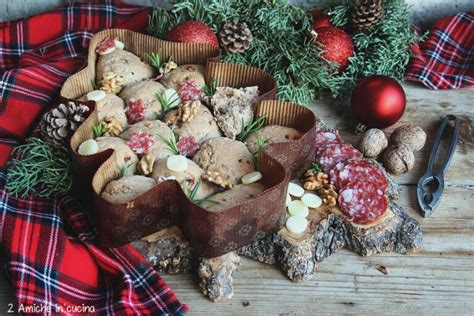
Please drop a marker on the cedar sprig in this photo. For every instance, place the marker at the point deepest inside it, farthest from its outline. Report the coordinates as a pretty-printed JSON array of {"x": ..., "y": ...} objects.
[
  {"x": 98, "y": 129},
  {"x": 210, "y": 89},
  {"x": 171, "y": 142},
  {"x": 154, "y": 59},
  {"x": 191, "y": 194},
  {"x": 253, "y": 126},
  {"x": 166, "y": 104},
  {"x": 40, "y": 169}
]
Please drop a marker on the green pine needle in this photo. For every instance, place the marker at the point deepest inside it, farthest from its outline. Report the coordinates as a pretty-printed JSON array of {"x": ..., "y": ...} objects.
[
  {"x": 171, "y": 142},
  {"x": 253, "y": 126},
  {"x": 154, "y": 59},
  {"x": 40, "y": 169}
]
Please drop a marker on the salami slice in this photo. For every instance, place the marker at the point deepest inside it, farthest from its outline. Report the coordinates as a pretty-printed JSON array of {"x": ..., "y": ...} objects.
[
  {"x": 337, "y": 153},
  {"x": 362, "y": 201},
  {"x": 324, "y": 139},
  {"x": 361, "y": 170}
]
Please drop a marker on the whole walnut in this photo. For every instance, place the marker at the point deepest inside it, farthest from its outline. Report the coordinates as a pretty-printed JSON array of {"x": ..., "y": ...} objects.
[
  {"x": 398, "y": 159},
  {"x": 411, "y": 135},
  {"x": 372, "y": 142}
]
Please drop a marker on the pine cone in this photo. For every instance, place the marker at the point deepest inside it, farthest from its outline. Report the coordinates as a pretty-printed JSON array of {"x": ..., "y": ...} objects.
[
  {"x": 59, "y": 123},
  {"x": 235, "y": 37},
  {"x": 367, "y": 14}
]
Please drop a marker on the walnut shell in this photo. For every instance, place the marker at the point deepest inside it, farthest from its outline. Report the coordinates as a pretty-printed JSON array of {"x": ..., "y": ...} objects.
[
  {"x": 411, "y": 135},
  {"x": 372, "y": 143},
  {"x": 398, "y": 159}
]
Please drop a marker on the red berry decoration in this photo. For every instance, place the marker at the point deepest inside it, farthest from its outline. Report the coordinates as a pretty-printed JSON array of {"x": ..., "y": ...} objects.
[
  {"x": 320, "y": 19},
  {"x": 192, "y": 32},
  {"x": 337, "y": 45},
  {"x": 378, "y": 101}
]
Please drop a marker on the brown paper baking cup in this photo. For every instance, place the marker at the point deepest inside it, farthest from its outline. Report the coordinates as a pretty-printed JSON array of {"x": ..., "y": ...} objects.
[{"x": 212, "y": 233}]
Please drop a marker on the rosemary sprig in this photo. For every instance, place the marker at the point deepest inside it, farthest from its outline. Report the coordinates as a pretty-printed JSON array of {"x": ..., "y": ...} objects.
[
  {"x": 315, "y": 168},
  {"x": 254, "y": 125},
  {"x": 98, "y": 129},
  {"x": 39, "y": 169},
  {"x": 94, "y": 84},
  {"x": 257, "y": 157},
  {"x": 210, "y": 89},
  {"x": 123, "y": 169},
  {"x": 191, "y": 194},
  {"x": 167, "y": 103},
  {"x": 154, "y": 59},
  {"x": 171, "y": 142}
]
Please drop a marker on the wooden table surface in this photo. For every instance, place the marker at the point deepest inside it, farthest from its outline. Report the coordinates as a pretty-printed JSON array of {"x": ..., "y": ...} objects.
[{"x": 437, "y": 280}]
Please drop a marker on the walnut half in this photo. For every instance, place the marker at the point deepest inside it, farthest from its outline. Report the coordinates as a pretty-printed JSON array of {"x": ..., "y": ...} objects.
[
  {"x": 328, "y": 194},
  {"x": 111, "y": 82},
  {"x": 112, "y": 126}
]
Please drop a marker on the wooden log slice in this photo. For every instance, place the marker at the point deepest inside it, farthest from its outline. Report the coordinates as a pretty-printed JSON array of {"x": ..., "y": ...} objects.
[
  {"x": 216, "y": 276},
  {"x": 167, "y": 250}
]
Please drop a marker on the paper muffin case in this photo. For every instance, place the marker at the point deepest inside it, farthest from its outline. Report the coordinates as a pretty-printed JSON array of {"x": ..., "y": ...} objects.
[{"x": 212, "y": 233}]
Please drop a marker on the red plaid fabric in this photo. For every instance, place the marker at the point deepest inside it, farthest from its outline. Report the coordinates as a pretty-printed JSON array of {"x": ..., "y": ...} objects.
[
  {"x": 445, "y": 60},
  {"x": 48, "y": 246}
]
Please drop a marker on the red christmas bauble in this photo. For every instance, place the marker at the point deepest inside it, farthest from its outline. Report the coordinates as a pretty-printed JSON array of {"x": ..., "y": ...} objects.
[
  {"x": 192, "y": 32},
  {"x": 337, "y": 45},
  {"x": 378, "y": 101},
  {"x": 320, "y": 19}
]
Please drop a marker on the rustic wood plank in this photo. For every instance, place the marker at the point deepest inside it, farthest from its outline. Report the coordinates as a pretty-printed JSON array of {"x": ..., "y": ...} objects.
[{"x": 437, "y": 280}]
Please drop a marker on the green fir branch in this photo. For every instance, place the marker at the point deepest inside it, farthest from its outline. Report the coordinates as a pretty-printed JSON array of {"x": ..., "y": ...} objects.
[
  {"x": 172, "y": 142},
  {"x": 283, "y": 47},
  {"x": 40, "y": 169},
  {"x": 253, "y": 126}
]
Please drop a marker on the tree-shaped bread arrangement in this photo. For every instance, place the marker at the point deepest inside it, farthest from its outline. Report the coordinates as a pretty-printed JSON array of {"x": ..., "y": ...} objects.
[{"x": 195, "y": 164}]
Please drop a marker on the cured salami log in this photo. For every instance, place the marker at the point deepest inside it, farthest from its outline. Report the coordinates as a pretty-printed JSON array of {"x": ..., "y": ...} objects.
[
  {"x": 363, "y": 202},
  {"x": 360, "y": 169},
  {"x": 337, "y": 153}
]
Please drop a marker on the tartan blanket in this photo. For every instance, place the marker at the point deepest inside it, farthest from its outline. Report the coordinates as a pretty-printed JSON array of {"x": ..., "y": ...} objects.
[
  {"x": 445, "y": 60},
  {"x": 47, "y": 245}
]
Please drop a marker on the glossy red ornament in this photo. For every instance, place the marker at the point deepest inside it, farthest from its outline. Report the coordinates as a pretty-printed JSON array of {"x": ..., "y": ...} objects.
[
  {"x": 320, "y": 19},
  {"x": 378, "y": 101},
  {"x": 192, "y": 32},
  {"x": 336, "y": 43}
]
